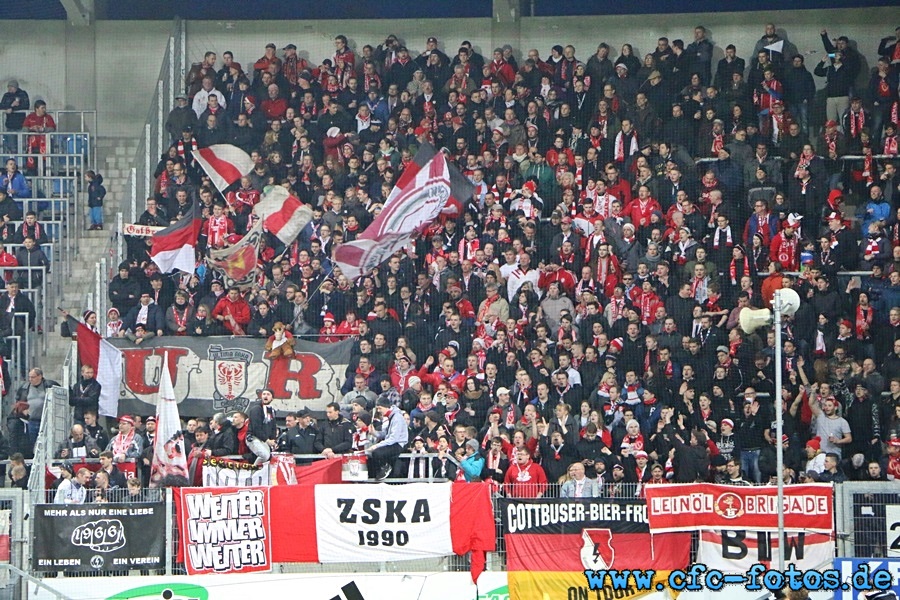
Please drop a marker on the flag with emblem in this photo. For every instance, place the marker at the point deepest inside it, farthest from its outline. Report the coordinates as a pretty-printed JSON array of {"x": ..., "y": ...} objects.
[
  {"x": 428, "y": 188},
  {"x": 169, "y": 457},
  {"x": 552, "y": 544},
  {"x": 238, "y": 263}
]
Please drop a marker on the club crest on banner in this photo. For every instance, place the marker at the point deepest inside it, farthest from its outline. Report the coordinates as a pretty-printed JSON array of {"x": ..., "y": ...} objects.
[
  {"x": 223, "y": 375},
  {"x": 231, "y": 366},
  {"x": 597, "y": 553},
  {"x": 729, "y": 506}
]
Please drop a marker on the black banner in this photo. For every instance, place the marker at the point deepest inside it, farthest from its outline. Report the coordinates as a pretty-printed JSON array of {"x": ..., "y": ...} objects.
[
  {"x": 99, "y": 537},
  {"x": 571, "y": 516}
]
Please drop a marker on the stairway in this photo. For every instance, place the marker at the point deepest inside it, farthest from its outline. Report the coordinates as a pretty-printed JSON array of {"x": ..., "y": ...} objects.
[{"x": 115, "y": 156}]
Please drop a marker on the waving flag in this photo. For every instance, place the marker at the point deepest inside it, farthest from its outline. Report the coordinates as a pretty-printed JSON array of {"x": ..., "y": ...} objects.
[
  {"x": 168, "y": 445},
  {"x": 283, "y": 215},
  {"x": 107, "y": 362},
  {"x": 238, "y": 263},
  {"x": 174, "y": 247},
  {"x": 224, "y": 164},
  {"x": 428, "y": 187}
]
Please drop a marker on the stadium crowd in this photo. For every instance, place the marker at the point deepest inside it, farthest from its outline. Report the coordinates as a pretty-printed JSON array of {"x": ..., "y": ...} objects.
[{"x": 579, "y": 321}]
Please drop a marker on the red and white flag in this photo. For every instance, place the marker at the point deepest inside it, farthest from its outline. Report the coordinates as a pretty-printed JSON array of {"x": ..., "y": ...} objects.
[
  {"x": 283, "y": 215},
  {"x": 224, "y": 164},
  {"x": 424, "y": 191},
  {"x": 168, "y": 445},
  {"x": 106, "y": 360},
  {"x": 346, "y": 523},
  {"x": 174, "y": 248}
]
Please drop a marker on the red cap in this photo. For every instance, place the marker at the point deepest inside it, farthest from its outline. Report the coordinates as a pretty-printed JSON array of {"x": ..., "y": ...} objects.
[
  {"x": 420, "y": 131},
  {"x": 815, "y": 443},
  {"x": 617, "y": 344},
  {"x": 126, "y": 419},
  {"x": 328, "y": 317},
  {"x": 833, "y": 216},
  {"x": 529, "y": 185},
  {"x": 831, "y": 123},
  {"x": 728, "y": 422}
]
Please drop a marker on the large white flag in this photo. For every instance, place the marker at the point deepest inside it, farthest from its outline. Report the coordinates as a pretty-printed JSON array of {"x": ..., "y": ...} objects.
[{"x": 169, "y": 453}]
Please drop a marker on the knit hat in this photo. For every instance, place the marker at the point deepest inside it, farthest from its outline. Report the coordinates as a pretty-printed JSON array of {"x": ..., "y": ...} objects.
[
  {"x": 728, "y": 422},
  {"x": 473, "y": 445},
  {"x": 617, "y": 344},
  {"x": 328, "y": 317},
  {"x": 815, "y": 443},
  {"x": 364, "y": 417},
  {"x": 87, "y": 315},
  {"x": 112, "y": 310},
  {"x": 126, "y": 419},
  {"x": 383, "y": 402},
  {"x": 529, "y": 185}
]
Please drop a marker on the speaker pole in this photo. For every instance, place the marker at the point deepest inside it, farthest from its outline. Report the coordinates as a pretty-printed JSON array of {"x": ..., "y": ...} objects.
[{"x": 778, "y": 306}]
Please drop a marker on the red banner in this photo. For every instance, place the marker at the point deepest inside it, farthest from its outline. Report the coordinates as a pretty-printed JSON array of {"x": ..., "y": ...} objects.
[
  {"x": 224, "y": 530},
  {"x": 692, "y": 506}
]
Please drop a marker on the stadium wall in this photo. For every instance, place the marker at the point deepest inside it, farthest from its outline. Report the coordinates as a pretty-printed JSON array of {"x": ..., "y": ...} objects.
[{"x": 52, "y": 60}]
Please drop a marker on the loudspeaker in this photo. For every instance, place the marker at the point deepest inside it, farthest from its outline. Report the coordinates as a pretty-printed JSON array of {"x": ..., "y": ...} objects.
[
  {"x": 751, "y": 320},
  {"x": 790, "y": 301}
]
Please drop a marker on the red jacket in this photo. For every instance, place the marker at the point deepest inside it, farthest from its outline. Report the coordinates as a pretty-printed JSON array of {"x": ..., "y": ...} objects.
[{"x": 239, "y": 310}]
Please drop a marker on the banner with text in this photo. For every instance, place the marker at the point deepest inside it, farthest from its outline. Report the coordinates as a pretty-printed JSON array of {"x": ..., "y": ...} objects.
[
  {"x": 224, "y": 530},
  {"x": 693, "y": 506},
  {"x": 223, "y": 374},
  {"x": 99, "y": 537},
  {"x": 223, "y": 472},
  {"x": 735, "y": 551},
  {"x": 383, "y": 522},
  {"x": 552, "y": 544},
  {"x": 245, "y": 529}
]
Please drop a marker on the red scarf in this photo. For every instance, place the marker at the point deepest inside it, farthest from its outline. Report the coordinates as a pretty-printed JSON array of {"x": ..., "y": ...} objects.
[
  {"x": 890, "y": 143},
  {"x": 863, "y": 322},
  {"x": 181, "y": 151},
  {"x": 696, "y": 284},
  {"x": 732, "y": 270},
  {"x": 857, "y": 122},
  {"x": 717, "y": 144},
  {"x": 867, "y": 168},
  {"x": 218, "y": 229},
  {"x": 831, "y": 141},
  {"x": 121, "y": 443}
]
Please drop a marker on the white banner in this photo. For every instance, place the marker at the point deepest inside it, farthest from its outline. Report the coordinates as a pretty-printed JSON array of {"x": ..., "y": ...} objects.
[
  {"x": 391, "y": 522},
  {"x": 139, "y": 230},
  {"x": 737, "y": 551},
  {"x": 219, "y": 472}
]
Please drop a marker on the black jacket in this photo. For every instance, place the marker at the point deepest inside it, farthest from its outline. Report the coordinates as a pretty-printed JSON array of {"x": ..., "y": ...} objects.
[
  {"x": 85, "y": 395},
  {"x": 259, "y": 427},
  {"x": 223, "y": 443},
  {"x": 337, "y": 435},
  {"x": 124, "y": 293}
]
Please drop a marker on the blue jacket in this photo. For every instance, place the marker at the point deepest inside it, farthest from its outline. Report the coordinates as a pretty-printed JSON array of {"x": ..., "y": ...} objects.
[
  {"x": 472, "y": 466},
  {"x": 17, "y": 187}
]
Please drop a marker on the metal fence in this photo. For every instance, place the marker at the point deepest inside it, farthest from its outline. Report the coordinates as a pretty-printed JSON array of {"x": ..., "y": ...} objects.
[{"x": 154, "y": 139}]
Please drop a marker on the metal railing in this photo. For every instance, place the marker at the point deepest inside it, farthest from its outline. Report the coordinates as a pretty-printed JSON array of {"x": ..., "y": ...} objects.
[
  {"x": 55, "y": 423},
  {"x": 154, "y": 139}
]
